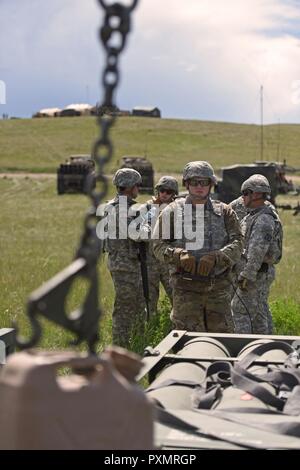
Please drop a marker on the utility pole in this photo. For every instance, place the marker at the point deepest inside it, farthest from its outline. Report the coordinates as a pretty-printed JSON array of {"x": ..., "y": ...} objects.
[
  {"x": 278, "y": 141},
  {"x": 261, "y": 122}
]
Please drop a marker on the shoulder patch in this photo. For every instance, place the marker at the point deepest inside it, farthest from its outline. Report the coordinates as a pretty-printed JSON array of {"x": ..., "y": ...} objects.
[{"x": 268, "y": 237}]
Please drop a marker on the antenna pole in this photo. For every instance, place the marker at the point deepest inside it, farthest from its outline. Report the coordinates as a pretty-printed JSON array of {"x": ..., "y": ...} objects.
[
  {"x": 261, "y": 122},
  {"x": 278, "y": 141}
]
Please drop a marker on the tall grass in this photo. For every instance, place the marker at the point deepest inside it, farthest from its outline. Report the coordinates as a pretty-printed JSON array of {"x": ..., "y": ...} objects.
[
  {"x": 286, "y": 316},
  {"x": 40, "y": 230},
  {"x": 40, "y": 145}
]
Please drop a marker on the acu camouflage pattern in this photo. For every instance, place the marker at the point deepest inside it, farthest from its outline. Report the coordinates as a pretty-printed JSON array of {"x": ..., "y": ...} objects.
[
  {"x": 199, "y": 169},
  {"x": 158, "y": 271},
  {"x": 257, "y": 183},
  {"x": 202, "y": 304},
  {"x": 125, "y": 269},
  {"x": 167, "y": 182},
  {"x": 127, "y": 178},
  {"x": 256, "y": 265},
  {"x": 239, "y": 208}
]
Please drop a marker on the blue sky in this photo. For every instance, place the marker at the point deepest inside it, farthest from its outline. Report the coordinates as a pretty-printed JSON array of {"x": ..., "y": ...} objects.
[{"x": 195, "y": 59}]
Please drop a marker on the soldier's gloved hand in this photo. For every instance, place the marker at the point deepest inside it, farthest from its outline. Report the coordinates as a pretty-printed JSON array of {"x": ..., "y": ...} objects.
[
  {"x": 222, "y": 260},
  {"x": 243, "y": 283},
  {"x": 184, "y": 260},
  {"x": 188, "y": 263},
  {"x": 206, "y": 264}
]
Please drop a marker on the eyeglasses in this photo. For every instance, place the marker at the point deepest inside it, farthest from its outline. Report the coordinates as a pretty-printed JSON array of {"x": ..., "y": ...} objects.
[
  {"x": 168, "y": 191},
  {"x": 203, "y": 182},
  {"x": 247, "y": 192}
]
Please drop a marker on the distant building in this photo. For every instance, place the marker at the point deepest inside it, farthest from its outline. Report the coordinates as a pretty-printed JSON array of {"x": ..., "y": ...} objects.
[
  {"x": 47, "y": 112},
  {"x": 101, "y": 110},
  {"x": 82, "y": 109},
  {"x": 146, "y": 111}
]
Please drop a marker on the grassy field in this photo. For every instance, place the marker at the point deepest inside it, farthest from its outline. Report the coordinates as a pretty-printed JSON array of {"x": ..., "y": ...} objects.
[
  {"x": 40, "y": 230},
  {"x": 39, "y": 145}
]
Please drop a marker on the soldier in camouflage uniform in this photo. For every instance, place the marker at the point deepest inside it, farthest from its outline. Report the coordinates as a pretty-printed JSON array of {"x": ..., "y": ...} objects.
[
  {"x": 263, "y": 248},
  {"x": 241, "y": 210},
  {"x": 200, "y": 277},
  {"x": 123, "y": 263},
  {"x": 166, "y": 190}
]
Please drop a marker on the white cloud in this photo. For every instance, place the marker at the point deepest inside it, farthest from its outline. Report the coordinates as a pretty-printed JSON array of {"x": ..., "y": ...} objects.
[{"x": 197, "y": 59}]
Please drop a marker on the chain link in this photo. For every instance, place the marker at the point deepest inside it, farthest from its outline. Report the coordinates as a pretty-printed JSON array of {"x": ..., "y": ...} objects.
[
  {"x": 113, "y": 35},
  {"x": 50, "y": 299}
]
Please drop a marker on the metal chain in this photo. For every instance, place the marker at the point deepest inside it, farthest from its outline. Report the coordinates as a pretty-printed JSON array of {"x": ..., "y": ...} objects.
[
  {"x": 113, "y": 34},
  {"x": 50, "y": 299}
]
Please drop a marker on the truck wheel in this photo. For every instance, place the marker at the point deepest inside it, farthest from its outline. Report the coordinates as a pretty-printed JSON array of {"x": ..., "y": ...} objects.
[{"x": 60, "y": 186}]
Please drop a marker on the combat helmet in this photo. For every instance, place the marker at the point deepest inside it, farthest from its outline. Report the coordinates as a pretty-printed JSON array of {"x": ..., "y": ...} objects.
[
  {"x": 257, "y": 183},
  {"x": 198, "y": 169},
  {"x": 167, "y": 182},
  {"x": 127, "y": 178}
]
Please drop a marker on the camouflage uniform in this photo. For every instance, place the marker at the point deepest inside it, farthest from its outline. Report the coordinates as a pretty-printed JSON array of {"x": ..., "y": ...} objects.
[
  {"x": 124, "y": 266},
  {"x": 201, "y": 303},
  {"x": 250, "y": 306},
  {"x": 159, "y": 271},
  {"x": 239, "y": 208}
]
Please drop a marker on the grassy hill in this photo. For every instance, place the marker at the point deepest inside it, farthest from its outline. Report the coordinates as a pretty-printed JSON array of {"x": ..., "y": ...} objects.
[
  {"x": 39, "y": 145},
  {"x": 40, "y": 230}
]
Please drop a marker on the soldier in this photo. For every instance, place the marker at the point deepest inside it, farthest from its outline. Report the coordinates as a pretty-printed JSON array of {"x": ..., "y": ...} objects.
[
  {"x": 263, "y": 248},
  {"x": 166, "y": 190},
  {"x": 200, "y": 278},
  {"x": 123, "y": 262},
  {"x": 241, "y": 210}
]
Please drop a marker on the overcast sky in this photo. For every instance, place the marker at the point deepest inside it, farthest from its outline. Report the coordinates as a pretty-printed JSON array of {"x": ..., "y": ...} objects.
[{"x": 194, "y": 59}]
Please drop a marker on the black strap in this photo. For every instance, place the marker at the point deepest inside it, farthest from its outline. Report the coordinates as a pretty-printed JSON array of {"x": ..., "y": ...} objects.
[
  {"x": 238, "y": 439},
  {"x": 223, "y": 374},
  {"x": 290, "y": 428},
  {"x": 168, "y": 419}
]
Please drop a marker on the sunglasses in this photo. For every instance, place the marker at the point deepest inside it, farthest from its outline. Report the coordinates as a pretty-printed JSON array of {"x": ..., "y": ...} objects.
[
  {"x": 247, "y": 192},
  {"x": 168, "y": 191},
  {"x": 204, "y": 182}
]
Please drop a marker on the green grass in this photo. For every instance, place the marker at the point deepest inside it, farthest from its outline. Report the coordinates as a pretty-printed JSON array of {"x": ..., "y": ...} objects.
[
  {"x": 40, "y": 145},
  {"x": 40, "y": 230},
  {"x": 286, "y": 315}
]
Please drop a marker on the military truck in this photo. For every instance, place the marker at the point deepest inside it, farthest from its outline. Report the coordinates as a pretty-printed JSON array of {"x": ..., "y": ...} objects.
[
  {"x": 232, "y": 177},
  {"x": 283, "y": 184},
  {"x": 74, "y": 174},
  {"x": 145, "y": 168}
]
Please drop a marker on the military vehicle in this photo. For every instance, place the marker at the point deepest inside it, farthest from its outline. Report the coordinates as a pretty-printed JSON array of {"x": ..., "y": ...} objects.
[
  {"x": 145, "y": 168},
  {"x": 283, "y": 184},
  {"x": 232, "y": 177},
  {"x": 224, "y": 391},
  {"x": 74, "y": 174}
]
